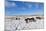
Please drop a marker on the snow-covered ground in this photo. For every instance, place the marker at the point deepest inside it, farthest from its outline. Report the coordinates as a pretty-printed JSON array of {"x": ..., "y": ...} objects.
[{"x": 12, "y": 24}]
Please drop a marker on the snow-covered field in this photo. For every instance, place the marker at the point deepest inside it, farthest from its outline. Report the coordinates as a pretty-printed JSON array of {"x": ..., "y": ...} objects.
[{"x": 11, "y": 24}]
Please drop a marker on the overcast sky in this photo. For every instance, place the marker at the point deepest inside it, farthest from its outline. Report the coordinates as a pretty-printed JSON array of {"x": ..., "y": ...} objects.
[{"x": 23, "y": 8}]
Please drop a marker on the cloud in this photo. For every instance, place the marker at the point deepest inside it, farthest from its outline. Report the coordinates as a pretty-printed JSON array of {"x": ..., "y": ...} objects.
[
  {"x": 10, "y": 4},
  {"x": 30, "y": 6},
  {"x": 36, "y": 5},
  {"x": 13, "y": 4}
]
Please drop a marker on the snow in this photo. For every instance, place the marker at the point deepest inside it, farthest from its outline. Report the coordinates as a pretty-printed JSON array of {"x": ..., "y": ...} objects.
[{"x": 12, "y": 25}]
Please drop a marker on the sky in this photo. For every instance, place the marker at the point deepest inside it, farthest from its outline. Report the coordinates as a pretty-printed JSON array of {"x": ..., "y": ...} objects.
[{"x": 23, "y": 8}]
